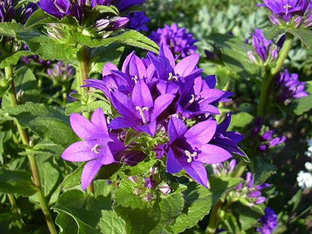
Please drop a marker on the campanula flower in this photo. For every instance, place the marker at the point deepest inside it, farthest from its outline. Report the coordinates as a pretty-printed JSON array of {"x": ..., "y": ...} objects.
[{"x": 269, "y": 222}]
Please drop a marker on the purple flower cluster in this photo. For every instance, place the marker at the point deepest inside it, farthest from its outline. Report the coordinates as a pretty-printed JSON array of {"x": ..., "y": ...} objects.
[
  {"x": 169, "y": 105},
  {"x": 180, "y": 42},
  {"x": 8, "y": 12},
  {"x": 138, "y": 21},
  {"x": 253, "y": 193},
  {"x": 289, "y": 87},
  {"x": 269, "y": 222},
  {"x": 268, "y": 140},
  {"x": 265, "y": 49},
  {"x": 224, "y": 169},
  {"x": 296, "y": 12},
  {"x": 61, "y": 72},
  {"x": 37, "y": 59}
]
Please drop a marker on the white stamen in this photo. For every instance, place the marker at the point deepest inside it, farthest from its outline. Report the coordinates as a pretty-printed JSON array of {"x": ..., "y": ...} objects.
[
  {"x": 172, "y": 77},
  {"x": 141, "y": 113},
  {"x": 135, "y": 78},
  {"x": 190, "y": 155},
  {"x": 287, "y": 7},
  {"x": 95, "y": 149}
]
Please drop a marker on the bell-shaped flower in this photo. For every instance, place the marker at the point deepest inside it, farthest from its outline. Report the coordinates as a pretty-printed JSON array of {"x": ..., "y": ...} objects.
[
  {"x": 94, "y": 148},
  {"x": 139, "y": 111},
  {"x": 189, "y": 149}
]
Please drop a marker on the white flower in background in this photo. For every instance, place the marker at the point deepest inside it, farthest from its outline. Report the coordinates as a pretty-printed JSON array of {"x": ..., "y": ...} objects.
[
  {"x": 308, "y": 166},
  {"x": 309, "y": 151},
  {"x": 304, "y": 179}
]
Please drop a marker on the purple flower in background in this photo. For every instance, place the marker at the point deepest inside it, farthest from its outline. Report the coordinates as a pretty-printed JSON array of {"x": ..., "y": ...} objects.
[
  {"x": 25, "y": 12},
  {"x": 138, "y": 21},
  {"x": 228, "y": 139},
  {"x": 124, "y": 5},
  {"x": 289, "y": 87},
  {"x": 94, "y": 149},
  {"x": 7, "y": 12},
  {"x": 296, "y": 11},
  {"x": 268, "y": 140},
  {"x": 224, "y": 169},
  {"x": 252, "y": 192},
  {"x": 269, "y": 222},
  {"x": 180, "y": 42},
  {"x": 61, "y": 72},
  {"x": 189, "y": 149}
]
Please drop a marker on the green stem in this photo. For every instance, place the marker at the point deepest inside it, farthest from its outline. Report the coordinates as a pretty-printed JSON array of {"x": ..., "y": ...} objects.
[
  {"x": 268, "y": 82},
  {"x": 15, "y": 210},
  {"x": 240, "y": 168},
  {"x": 83, "y": 72},
  {"x": 214, "y": 218},
  {"x": 31, "y": 158}
]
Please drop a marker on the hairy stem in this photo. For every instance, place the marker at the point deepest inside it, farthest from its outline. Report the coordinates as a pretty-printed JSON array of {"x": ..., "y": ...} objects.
[
  {"x": 31, "y": 158},
  {"x": 214, "y": 218},
  {"x": 268, "y": 82},
  {"x": 83, "y": 72}
]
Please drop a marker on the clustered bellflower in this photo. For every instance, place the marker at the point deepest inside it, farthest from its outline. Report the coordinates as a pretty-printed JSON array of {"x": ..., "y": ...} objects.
[
  {"x": 265, "y": 49},
  {"x": 61, "y": 72},
  {"x": 7, "y": 12},
  {"x": 156, "y": 97},
  {"x": 296, "y": 12},
  {"x": 180, "y": 42},
  {"x": 269, "y": 222},
  {"x": 289, "y": 87},
  {"x": 21, "y": 14},
  {"x": 268, "y": 140}
]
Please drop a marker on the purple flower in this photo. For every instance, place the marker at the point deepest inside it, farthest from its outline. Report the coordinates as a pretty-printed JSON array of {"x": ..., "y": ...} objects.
[
  {"x": 138, "y": 21},
  {"x": 25, "y": 12},
  {"x": 94, "y": 149},
  {"x": 139, "y": 111},
  {"x": 7, "y": 12},
  {"x": 189, "y": 149},
  {"x": 270, "y": 141},
  {"x": 61, "y": 72},
  {"x": 124, "y": 5},
  {"x": 57, "y": 8},
  {"x": 253, "y": 193},
  {"x": 264, "y": 48},
  {"x": 116, "y": 23},
  {"x": 269, "y": 222},
  {"x": 295, "y": 11},
  {"x": 289, "y": 87},
  {"x": 228, "y": 139},
  {"x": 224, "y": 169},
  {"x": 180, "y": 42}
]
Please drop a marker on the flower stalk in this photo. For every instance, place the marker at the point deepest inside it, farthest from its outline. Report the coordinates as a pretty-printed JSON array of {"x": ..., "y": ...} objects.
[
  {"x": 268, "y": 82},
  {"x": 31, "y": 158},
  {"x": 83, "y": 71}
]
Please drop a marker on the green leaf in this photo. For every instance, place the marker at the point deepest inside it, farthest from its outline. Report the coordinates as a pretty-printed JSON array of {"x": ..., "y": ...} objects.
[
  {"x": 131, "y": 37},
  {"x": 140, "y": 216},
  {"x": 170, "y": 208},
  {"x": 44, "y": 148},
  {"x": 272, "y": 32},
  {"x": 10, "y": 29},
  {"x": 263, "y": 170},
  {"x": 2, "y": 135},
  {"x": 40, "y": 18},
  {"x": 66, "y": 223},
  {"x": 16, "y": 182},
  {"x": 105, "y": 9},
  {"x": 304, "y": 104},
  {"x": 111, "y": 223},
  {"x": 199, "y": 201},
  {"x": 48, "y": 48},
  {"x": 26, "y": 82},
  {"x": 304, "y": 35},
  {"x": 235, "y": 55},
  {"x": 73, "y": 179},
  {"x": 240, "y": 120},
  {"x": 247, "y": 216},
  {"x": 47, "y": 122},
  {"x": 78, "y": 107},
  {"x": 14, "y": 58}
]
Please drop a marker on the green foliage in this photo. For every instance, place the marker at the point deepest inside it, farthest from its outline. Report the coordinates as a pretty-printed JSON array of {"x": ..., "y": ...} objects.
[
  {"x": 304, "y": 104},
  {"x": 13, "y": 59},
  {"x": 17, "y": 182},
  {"x": 46, "y": 121}
]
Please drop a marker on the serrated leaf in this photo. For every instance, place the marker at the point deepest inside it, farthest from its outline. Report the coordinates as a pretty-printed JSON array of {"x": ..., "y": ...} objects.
[
  {"x": 199, "y": 201},
  {"x": 131, "y": 37},
  {"x": 18, "y": 182},
  {"x": 74, "y": 178},
  {"x": 10, "y": 29},
  {"x": 46, "y": 121},
  {"x": 263, "y": 170},
  {"x": 111, "y": 223},
  {"x": 14, "y": 58},
  {"x": 272, "y": 32},
  {"x": 304, "y": 35},
  {"x": 105, "y": 9},
  {"x": 78, "y": 107}
]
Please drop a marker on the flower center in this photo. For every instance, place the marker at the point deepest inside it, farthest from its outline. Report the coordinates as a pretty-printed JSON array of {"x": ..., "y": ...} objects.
[
  {"x": 135, "y": 79},
  {"x": 96, "y": 149},
  {"x": 190, "y": 156},
  {"x": 141, "y": 113},
  {"x": 172, "y": 77},
  {"x": 287, "y": 7}
]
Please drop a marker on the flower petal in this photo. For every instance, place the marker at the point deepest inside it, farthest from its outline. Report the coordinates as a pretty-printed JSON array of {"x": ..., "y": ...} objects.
[
  {"x": 186, "y": 66},
  {"x": 141, "y": 95},
  {"x": 123, "y": 104},
  {"x": 80, "y": 151},
  {"x": 173, "y": 165},
  {"x": 202, "y": 132},
  {"x": 98, "y": 119},
  {"x": 197, "y": 171},
  {"x": 83, "y": 127},
  {"x": 213, "y": 154},
  {"x": 89, "y": 172},
  {"x": 106, "y": 157},
  {"x": 161, "y": 104},
  {"x": 176, "y": 129}
]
